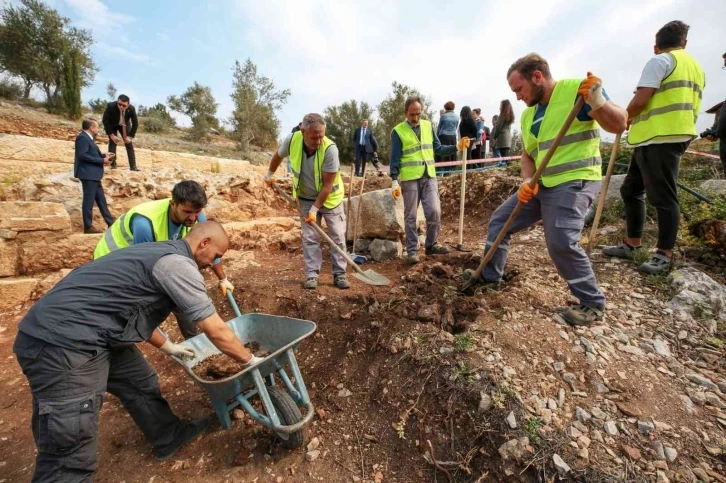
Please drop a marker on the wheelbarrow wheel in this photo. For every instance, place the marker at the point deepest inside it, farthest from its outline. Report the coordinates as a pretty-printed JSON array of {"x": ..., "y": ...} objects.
[{"x": 289, "y": 414}]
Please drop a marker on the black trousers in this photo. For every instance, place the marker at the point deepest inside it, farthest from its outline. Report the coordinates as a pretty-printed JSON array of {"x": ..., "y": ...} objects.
[
  {"x": 361, "y": 157},
  {"x": 448, "y": 140},
  {"x": 653, "y": 172},
  {"x": 93, "y": 193},
  {"x": 68, "y": 388},
  {"x": 129, "y": 148},
  {"x": 722, "y": 153}
]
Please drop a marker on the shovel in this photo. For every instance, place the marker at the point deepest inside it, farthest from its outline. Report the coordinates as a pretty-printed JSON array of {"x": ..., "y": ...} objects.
[
  {"x": 603, "y": 193},
  {"x": 467, "y": 285},
  {"x": 369, "y": 276},
  {"x": 460, "y": 245}
]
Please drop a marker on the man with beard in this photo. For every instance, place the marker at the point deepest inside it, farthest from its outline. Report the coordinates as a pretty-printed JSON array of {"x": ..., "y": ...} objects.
[
  {"x": 88, "y": 167},
  {"x": 568, "y": 184}
]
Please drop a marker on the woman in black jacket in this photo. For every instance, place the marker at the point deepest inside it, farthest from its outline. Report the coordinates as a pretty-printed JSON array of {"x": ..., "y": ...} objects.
[{"x": 467, "y": 128}]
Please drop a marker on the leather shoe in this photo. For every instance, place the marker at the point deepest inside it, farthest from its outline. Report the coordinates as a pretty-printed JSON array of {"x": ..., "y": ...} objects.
[
  {"x": 191, "y": 431},
  {"x": 92, "y": 229}
]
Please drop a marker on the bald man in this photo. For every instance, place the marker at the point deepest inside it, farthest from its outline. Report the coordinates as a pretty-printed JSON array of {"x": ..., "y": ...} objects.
[{"x": 79, "y": 342}]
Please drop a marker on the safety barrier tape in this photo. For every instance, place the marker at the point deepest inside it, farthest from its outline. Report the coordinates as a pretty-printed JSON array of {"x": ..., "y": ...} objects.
[{"x": 707, "y": 155}]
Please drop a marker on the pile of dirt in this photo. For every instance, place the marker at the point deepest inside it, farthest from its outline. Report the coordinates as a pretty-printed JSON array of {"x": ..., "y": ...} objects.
[
  {"x": 220, "y": 366},
  {"x": 485, "y": 190}
]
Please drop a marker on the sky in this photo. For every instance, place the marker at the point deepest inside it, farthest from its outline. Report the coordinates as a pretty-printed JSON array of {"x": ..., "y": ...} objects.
[{"x": 330, "y": 51}]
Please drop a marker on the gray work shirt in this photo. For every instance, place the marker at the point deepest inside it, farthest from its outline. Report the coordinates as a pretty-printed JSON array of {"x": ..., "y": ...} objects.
[
  {"x": 181, "y": 279},
  {"x": 331, "y": 164}
]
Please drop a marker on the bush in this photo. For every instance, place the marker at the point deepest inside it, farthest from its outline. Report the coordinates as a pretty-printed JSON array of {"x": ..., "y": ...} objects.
[
  {"x": 97, "y": 105},
  {"x": 10, "y": 90},
  {"x": 153, "y": 124}
]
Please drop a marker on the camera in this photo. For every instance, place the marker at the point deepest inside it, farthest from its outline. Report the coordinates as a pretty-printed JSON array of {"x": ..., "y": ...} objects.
[{"x": 711, "y": 131}]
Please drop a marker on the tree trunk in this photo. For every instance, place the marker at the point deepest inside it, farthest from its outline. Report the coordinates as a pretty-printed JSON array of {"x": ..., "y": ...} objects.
[{"x": 28, "y": 88}]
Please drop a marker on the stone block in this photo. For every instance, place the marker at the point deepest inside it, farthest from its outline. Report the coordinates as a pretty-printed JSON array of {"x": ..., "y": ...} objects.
[
  {"x": 380, "y": 216},
  {"x": 16, "y": 291},
  {"x": 23, "y": 216},
  {"x": 382, "y": 250},
  {"x": 8, "y": 258},
  {"x": 52, "y": 251}
]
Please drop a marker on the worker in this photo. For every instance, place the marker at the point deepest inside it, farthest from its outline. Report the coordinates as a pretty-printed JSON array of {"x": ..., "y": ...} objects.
[
  {"x": 318, "y": 188},
  {"x": 78, "y": 342},
  {"x": 162, "y": 220},
  {"x": 662, "y": 116},
  {"x": 569, "y": 183},
  {"x": 413, "y": 146}
]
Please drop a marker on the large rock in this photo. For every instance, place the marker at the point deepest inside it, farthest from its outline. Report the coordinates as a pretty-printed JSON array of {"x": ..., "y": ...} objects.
[
  {"x": 51, "y": 252},
  {"x": 8, "y": 258},
  {"x": 23, "y": 216},
  {"x": 382, "y": 250},
  {"x": 380, "y": 216},
  {"x": 16, "y": 291},
  {"x": 717, "y": 186},
  {"x": 616, "y": 181},
  {"x": 696, "y": 292},
  {"x": 247, "y": 235}
]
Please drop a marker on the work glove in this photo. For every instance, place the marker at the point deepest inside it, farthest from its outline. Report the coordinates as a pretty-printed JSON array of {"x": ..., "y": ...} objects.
[
  {"x": 463, "y": 144},
  {"x": 312, "y": 215},
  {"x": 225, "y": 285},
  {"x": 178, "y": 350},
  {"x": 591, "y": 90},
  {"x": 395, "y": 189},
  {"x": 254, "y": 361},
  {"x": 526, "y": 193},
  {"x": 270, "y": 177}
]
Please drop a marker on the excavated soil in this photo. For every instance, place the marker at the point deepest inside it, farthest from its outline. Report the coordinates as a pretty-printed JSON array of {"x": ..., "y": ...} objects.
[{"x": 220, "y": 366}]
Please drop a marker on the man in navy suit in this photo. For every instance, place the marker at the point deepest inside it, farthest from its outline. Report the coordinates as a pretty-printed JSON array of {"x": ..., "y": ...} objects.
[
  {"x": 365, "y": 145},
  {"x": 88, "y": 167}
]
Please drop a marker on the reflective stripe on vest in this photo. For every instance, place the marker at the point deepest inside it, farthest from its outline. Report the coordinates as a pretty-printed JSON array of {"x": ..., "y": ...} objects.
[
  {"x": 578, "y": 154},
  {"x": 297, "y": 153},
  {"x": 417, "y": 155},
  {"x": 672, "y": 110}
]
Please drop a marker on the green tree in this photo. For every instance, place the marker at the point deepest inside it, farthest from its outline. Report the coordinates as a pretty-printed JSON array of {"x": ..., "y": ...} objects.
[
  {"x": 34, "y": 41},
  {"x": 341, "y": 122},
  {"x": 158, "y": 111},
  {"x": 256, "y": 99},
  {"x": 198, "y": 103},
  {"x": 111, "y": 91},
  {"x": 72, "y": 84},
  {"x": 391, "y": 112}
]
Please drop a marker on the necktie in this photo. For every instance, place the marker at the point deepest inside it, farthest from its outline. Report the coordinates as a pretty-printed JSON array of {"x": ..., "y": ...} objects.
[{"x": 362, "y": 136}]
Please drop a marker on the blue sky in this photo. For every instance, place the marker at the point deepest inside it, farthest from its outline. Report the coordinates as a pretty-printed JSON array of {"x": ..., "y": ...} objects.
[{"x": 329, "y": 51}]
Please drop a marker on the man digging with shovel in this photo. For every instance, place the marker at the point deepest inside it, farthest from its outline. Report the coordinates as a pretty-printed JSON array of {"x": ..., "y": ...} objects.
[
  {"x": 318, "y": 188},
  {"x": 569, "y": 182}
]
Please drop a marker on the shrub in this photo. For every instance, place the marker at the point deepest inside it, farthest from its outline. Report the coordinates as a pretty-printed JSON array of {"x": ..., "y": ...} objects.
[
  {"x": 10, "y": 90},
  {"x": 97, "y": 105},
  {"x": 153, "y": 124}
]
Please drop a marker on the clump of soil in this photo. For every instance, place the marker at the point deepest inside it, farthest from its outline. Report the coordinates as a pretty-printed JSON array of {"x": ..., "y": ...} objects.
[{"x": 221, "y": 366}]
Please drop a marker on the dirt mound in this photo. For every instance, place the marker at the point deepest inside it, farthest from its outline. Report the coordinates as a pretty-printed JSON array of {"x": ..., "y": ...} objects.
[{"x": 485, "y": 190}]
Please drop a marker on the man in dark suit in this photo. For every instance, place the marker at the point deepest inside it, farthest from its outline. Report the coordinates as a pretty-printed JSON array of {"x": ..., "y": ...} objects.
[
  {"x": 120, "y": 118},
  {"x": 365, "y": 145},
  {"x": 88, "y": 167}
]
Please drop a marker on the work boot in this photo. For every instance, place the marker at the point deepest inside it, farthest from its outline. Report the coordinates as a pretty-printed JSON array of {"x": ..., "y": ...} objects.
[
  {"x": 341, "y": 281},
  {"x": 621, "y": 251},
  {"x": 658, "y": 263},
  {"x": 311, "y": 283},
  {"x": 412, "y": 259},
  {"x": 192, "y": 430},
  {"x": 437, "y": 249},
  {"x": 92, "y": 229},
  {"x": 582, "y": 315},
  {"x": 484, "y": 284}
]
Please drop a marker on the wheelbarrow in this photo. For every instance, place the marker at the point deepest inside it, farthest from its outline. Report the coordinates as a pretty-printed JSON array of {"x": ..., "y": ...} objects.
[{"x": 280, "y": 336}]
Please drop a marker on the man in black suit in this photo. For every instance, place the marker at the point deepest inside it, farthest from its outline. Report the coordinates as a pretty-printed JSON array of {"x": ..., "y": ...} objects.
[
  {"x": 88, "y": 167},
  {"x": 365, "y": 145},
  {"x": 120, "y": 118}
]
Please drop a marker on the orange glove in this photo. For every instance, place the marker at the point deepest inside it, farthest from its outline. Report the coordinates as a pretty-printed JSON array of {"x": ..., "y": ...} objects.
[
  {"x": 312, "y": 215},
  {"x": 525, "y": 192},
  {"x": 591, "y": 90},
  {"x": 395, "y": 189},
  {"x": 463, "y": 144}
]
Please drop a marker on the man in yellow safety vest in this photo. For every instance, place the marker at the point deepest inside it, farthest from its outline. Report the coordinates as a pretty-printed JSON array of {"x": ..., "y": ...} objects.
[
  {"x": 662, "y": 117},
  {"x": 569, "y": 183}
]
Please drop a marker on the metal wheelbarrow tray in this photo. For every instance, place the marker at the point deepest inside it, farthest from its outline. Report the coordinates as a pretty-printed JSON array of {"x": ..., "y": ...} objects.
[{"x": 280, "y": 336}]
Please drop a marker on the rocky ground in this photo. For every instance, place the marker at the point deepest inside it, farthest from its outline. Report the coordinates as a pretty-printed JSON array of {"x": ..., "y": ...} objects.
[{"x": 414, "y": 381}]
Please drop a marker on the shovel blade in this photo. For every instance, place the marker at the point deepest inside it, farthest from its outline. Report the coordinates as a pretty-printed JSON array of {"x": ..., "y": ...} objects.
[{"x": 372, "y": 278}]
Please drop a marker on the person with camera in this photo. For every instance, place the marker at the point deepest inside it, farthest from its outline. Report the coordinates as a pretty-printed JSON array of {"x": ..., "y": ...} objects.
[
  {"x": 662, "y": 120},
  {"x": 718, "y": 130}
]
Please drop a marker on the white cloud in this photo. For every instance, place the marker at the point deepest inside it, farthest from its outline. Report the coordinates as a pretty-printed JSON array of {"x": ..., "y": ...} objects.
[
  {"x": 331, "y": 51},
  {"x": 95, "y": 14},
  {"x": 121, "y": 52}
]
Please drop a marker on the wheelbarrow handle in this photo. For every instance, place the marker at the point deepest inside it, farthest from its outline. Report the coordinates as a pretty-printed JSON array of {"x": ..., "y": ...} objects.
[{"x": 233, "y": 304}]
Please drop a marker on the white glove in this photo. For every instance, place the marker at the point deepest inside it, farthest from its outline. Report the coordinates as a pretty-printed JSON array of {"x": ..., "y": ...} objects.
[
  {"x": 254, "y": 361},
  {"x": 270, "y": 177},
  {"x": 225, "y": 285},
  {"x": 178, "y": 350}
]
